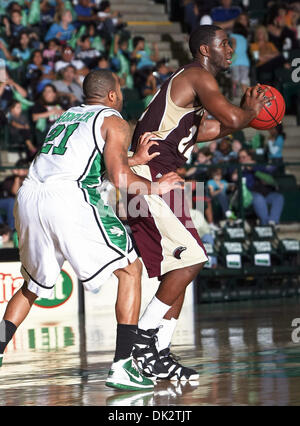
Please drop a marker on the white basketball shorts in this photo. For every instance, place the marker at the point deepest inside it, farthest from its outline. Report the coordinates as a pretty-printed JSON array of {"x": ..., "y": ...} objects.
[{"x": 58, "y": 221}]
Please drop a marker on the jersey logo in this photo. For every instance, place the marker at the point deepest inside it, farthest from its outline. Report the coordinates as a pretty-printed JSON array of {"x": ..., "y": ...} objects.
[
  {"x": 116, "y": 231},
  {"x": 177, "y": 252}
]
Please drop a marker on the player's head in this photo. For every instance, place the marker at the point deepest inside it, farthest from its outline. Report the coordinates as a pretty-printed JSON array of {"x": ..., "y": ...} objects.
[
  {"x": 103, "y": 87},
  {"x": 210, "y": 44}
]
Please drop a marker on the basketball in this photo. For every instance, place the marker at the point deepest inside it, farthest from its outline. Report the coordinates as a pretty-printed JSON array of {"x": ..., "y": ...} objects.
[{"x": 272, "y": 112}]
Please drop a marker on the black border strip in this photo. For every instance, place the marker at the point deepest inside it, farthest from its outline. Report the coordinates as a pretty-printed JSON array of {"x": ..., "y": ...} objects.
[
  {"x": 48, "y": 288},
  {"x": 103, "y": 267}
]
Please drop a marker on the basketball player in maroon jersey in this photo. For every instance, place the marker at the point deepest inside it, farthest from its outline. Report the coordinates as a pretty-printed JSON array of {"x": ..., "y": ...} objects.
[{"x": 171, "y": 250}]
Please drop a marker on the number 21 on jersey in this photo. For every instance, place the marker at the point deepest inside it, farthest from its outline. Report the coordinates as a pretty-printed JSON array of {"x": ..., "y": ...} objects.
[{"x": 60, "y": 130}]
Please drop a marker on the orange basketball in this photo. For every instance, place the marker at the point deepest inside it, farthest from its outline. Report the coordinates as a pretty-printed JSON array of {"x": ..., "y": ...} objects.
[{"x": 272, "y": 112}]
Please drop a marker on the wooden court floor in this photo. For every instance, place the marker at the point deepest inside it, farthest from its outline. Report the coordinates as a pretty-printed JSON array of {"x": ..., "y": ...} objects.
[{"x": 247, "y": 353}]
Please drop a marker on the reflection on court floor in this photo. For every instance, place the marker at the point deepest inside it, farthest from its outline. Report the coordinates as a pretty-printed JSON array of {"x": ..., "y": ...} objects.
[{"x": 243, "y": 351}]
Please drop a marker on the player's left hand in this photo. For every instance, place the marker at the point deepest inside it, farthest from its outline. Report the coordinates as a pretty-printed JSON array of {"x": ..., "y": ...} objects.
[{"x": 142, "y": 155}]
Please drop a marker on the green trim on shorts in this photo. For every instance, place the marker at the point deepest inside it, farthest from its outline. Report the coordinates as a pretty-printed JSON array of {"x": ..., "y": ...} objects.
[{"x": 112, "y": 225}]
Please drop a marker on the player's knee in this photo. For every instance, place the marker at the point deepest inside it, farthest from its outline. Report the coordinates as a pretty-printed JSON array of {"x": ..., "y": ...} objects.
[
  {"x": 194, "y": 270},
  {"x": 135, "y": 268}
]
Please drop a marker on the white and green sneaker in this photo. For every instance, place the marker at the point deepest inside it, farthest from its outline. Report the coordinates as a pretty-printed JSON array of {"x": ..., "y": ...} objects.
[{"x": 125, "y": 375}]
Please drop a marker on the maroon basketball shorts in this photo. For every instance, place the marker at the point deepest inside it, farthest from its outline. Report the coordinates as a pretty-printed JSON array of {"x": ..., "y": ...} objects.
[{"x": 163, "y": 229}]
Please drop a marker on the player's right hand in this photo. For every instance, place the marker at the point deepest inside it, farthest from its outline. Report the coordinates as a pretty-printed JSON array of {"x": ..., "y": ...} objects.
[{"x": 168, "y": 182}]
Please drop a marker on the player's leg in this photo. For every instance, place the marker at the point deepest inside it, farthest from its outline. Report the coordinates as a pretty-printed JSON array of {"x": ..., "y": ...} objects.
[
  {"x": 124, "y": 373},
  {"x": 170, "y": 296},
  {"x": 16, "y": 311}
]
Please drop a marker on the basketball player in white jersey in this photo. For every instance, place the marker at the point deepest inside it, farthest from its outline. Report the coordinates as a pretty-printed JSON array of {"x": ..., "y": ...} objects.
[{"x": 60, "y": 216}]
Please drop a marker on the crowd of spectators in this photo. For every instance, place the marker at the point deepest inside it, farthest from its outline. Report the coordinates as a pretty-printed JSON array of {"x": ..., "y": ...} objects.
[{"x": 46, "y": 49}]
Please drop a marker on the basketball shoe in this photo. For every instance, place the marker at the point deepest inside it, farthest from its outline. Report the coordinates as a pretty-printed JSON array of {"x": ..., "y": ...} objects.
[
  {"x": 125, "y": 375},
  {"x": 176, "y": 371},
  {"x": 145, "y": 353}
]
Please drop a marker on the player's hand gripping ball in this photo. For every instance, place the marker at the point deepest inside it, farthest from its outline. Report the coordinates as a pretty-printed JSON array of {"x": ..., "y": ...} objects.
[{"x": 272, "y": 112}]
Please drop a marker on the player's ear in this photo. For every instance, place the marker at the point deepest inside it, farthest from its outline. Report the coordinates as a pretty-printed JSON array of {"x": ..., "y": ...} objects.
[
  {"x": 111, "y": 95},
  {"x": 204, "y": 50}
]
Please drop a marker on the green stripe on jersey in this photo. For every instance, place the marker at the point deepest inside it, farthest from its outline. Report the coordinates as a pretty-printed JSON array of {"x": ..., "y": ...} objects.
[{"x": 113, "y": 227}]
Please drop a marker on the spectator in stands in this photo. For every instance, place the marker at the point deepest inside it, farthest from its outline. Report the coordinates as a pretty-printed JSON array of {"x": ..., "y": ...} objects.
[
  {"x": 13, "y": 26},
  {"x": 275, "y": 144},
  {"x": 203, "y": 9},
  {"x": 267, "y": 201},
  {"x": 145, "y": 60},
  {"x": 225, "y": 15},
  {"x": 292, "y": 18},
  {"x": 38, "y": 74},
  {"x": 22, "y": 51},
  {"x": 200, "y": 168},
  {"x": 4, "y": 51},
  {"x": 218, "y": 188},
  {"x": 283, "y": 38},
  {"x": 266, "y": 55},
  {"x": 5, "y": 234},
  {"x": 86, "y": 53},
  {"x": 85, "y": 13},
  {"x": 240, "y": 66},
  {"x": 8, "y": 190},
  {"x": 223, "y": 153},
  {"x": 48, "y": 9},
  {"x": 69, "y": 87},
  {"x": 52, "y": 52},
  {"x": 145, "y": 82},
  {"x": 236, "y": 146},
  {"x": 162, "y": 72},
  {"x": 103, "y": 63},
  {"x": 8, "y": 88},
  {"x": 45, "y": 112},
  {"x": 62, "y": 29},
  {"x": 111, "y": 20},
  {"x": 19, "y": 129},
  {"x": 190, "y": 19},
  {"x": 68, "y": 58}
]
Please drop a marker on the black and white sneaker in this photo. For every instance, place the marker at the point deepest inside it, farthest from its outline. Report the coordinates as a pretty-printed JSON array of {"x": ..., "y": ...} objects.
[
  {"x": 176, "y": 371},
  {"x": 146, "y": 356}
]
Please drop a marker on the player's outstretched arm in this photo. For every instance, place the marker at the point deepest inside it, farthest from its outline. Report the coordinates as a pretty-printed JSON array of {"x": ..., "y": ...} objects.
[{"x": 116, "y": 133}]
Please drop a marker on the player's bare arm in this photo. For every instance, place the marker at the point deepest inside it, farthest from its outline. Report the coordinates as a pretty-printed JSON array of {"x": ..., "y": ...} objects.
[{"x": 116, "y": 133}]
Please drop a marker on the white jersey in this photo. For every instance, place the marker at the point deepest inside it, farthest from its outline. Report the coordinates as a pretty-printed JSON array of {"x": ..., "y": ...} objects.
[
  {"x": 73, "y": 147},
  {"x": 60, "y": 212}
]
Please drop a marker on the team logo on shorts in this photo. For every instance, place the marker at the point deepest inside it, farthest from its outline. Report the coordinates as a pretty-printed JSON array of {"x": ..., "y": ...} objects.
[
  {"x": 116, "y": 231},
  {"x": 177, "y": 252}
]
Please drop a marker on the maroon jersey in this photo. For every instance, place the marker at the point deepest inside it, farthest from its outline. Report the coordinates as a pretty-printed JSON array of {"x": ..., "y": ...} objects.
[{"x": 175, "y": 128}]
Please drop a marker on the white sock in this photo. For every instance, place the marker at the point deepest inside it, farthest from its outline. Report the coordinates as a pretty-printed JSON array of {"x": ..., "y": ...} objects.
[
  {"x": 165, "y": 333},
  {"x": 153, "y": 314}
]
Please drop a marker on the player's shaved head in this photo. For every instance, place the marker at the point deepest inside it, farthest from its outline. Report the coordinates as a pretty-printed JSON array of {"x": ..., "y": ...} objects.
[
  {"x": 98, "y": 84},
  {"x": 204, "y": 34}
]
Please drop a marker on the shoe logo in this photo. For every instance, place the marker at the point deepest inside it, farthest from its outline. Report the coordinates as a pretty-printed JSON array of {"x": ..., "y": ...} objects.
[
  {"x": 133, "y": 377},
  {"x": 177, "y": 252}
]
